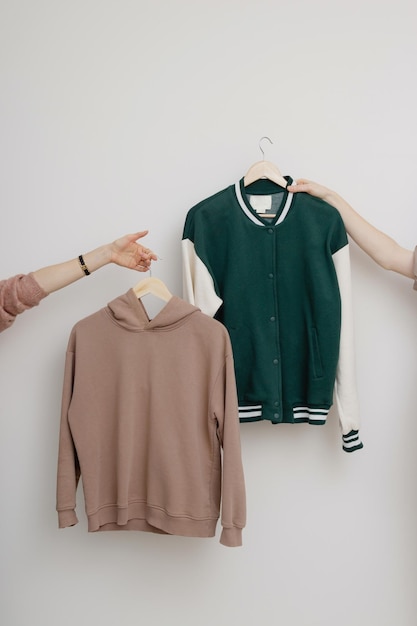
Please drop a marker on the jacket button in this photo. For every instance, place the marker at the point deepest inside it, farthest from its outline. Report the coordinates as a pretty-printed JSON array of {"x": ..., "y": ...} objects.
[
  {"x": 270, "y": 231},
  {"x": 275, "y": 361},
  {"x": 276, "y": 416},
  {"x": 272, "y": 319}
]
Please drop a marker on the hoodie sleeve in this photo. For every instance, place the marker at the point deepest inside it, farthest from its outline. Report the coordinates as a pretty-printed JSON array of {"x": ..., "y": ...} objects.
[
  {"x": 225, "y": 410},
  {"x": 68, "y": 465}
]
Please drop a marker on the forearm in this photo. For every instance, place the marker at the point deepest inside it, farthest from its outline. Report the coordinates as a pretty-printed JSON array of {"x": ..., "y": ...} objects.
[
  {"x": 379, "y": 246},
  {"x": 55, "y": 277},
  {"x": 124, "y": 251}
]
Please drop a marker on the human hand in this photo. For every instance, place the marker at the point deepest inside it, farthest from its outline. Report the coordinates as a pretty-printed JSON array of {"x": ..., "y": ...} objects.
[
  {"x": 127, "y": 253},
  {"x": 308, "y": 186}
]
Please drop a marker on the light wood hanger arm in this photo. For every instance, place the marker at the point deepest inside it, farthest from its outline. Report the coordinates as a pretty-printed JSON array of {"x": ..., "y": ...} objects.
[
  {"x": 264, "y": 169},
  {"x": 154, "y": 286}
]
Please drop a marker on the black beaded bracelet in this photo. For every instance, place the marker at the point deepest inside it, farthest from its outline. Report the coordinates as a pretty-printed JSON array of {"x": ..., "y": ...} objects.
[{"x": 83, "y": 265}]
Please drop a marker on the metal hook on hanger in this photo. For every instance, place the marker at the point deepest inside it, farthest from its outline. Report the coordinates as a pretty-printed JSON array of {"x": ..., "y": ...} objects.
[
  {"x": 260, "y": 147},
  {"x": 150, "y": 267}
]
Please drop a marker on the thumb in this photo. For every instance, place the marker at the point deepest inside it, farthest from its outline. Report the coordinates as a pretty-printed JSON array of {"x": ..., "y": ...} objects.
[
  {"x": 302, "y": 181},
  {"x": 138, "y": 235},
  {"x": 300, "y": 184}
]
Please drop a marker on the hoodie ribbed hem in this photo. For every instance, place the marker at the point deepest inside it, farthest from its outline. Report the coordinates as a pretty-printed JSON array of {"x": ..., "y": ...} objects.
[{"x": 140, "y": 516}]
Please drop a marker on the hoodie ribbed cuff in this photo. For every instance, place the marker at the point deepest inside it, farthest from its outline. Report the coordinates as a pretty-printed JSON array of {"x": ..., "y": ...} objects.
[
  {"x": 67, "y": 518},
  {"x": 231, "y": 537},
  {"x": 352, "y": 441}
]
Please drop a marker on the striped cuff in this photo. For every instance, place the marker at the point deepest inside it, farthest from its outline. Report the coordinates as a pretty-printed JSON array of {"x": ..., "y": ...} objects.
[{"x": 352, "y": 441}]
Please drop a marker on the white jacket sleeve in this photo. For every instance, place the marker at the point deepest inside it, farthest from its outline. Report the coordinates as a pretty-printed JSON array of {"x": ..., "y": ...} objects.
[
  {"x": 345, "y": 391},
  {"x": 198, "y": 284}
]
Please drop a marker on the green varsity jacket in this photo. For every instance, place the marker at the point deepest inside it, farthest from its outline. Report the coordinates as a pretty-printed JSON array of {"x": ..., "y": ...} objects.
[{"x": 274, "y": 268}]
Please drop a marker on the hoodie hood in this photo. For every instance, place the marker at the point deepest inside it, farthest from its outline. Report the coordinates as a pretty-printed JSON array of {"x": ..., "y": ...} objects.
[{"x": 129, "y": 312}]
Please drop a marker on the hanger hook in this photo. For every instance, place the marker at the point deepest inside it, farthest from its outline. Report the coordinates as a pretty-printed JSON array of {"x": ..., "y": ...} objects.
[{"x": 260, "y": 147}]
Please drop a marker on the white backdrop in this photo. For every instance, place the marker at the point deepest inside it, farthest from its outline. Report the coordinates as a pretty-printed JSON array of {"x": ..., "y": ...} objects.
[{"x": 117, "y": 116}]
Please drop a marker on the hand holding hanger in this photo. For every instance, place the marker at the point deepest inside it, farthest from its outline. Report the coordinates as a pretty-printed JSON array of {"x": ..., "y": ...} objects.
[{"x": 22, "y": 292}]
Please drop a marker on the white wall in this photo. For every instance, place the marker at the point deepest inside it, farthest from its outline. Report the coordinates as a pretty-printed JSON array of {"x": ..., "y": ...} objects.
[{"x": 121, "y": 115}]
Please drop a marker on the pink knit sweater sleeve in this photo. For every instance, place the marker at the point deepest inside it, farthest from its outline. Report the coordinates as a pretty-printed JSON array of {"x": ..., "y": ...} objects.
[{"x": 17, "y": 294}]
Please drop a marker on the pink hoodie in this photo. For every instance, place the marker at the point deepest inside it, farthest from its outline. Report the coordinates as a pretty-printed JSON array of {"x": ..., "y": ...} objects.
[{"x": 150, "y": 421}]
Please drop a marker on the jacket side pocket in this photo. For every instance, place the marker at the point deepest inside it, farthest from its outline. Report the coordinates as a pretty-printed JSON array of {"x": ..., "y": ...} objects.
[{"x": 317, "y": 362}]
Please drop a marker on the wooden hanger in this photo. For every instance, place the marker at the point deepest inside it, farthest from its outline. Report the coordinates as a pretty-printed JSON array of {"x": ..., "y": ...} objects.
[
  {"x": 154, "y": 286},
  {"x": 264, "y": 169}
]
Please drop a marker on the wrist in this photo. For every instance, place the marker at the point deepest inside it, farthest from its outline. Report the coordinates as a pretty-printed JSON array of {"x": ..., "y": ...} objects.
[
  {"x": 330, "y": 196},
  {"x": 98, "y": 257}
]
